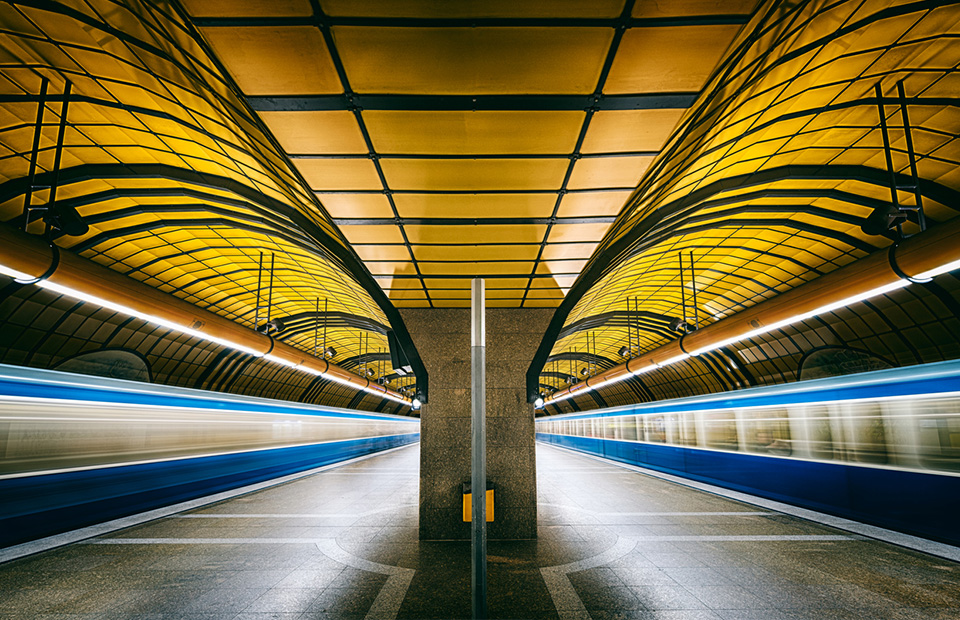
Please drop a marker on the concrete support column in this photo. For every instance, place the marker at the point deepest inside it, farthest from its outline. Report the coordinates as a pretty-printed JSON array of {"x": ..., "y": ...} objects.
[{"x": 442, "y": 337}]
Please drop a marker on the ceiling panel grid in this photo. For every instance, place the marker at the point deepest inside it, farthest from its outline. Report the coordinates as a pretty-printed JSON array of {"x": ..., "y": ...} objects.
[{"x": 484, "y": 139}]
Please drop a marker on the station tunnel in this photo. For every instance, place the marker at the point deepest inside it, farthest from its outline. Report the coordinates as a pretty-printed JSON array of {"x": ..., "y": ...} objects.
[{"x": 690, "y": 267}]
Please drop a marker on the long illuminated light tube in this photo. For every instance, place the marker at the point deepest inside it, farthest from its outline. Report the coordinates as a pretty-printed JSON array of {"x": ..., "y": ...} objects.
[
  {"x": 921, "y": 251},
  {"x": 756, "y": 332},
  {"x": 67, "y": 291}
]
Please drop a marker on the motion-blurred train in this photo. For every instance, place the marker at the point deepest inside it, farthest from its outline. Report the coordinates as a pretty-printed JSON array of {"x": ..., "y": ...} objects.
[
  {"x": 77, "y": 450},
  {"x": 880, "y": 447}
]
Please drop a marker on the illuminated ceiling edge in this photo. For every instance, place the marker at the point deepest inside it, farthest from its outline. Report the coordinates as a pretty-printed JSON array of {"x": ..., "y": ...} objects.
[
  {"x": 926, "y": 254},
  {"x": 600, "y": 263},
  {"x": 344, "y": 254},
  {"x": 29, "y": 260}
]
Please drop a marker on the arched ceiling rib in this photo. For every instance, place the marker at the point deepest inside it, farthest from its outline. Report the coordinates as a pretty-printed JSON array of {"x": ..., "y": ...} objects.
[
  {"x": 180, "y": 183},
  {"x": 770, "y": 175}
]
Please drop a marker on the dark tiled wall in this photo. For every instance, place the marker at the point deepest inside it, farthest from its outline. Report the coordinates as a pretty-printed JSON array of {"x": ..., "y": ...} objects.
[{"x": 442, "y": 337}]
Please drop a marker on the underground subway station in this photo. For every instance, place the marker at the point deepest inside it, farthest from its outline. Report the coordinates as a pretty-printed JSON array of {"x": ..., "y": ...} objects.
[{"x": 428, "y": 309}]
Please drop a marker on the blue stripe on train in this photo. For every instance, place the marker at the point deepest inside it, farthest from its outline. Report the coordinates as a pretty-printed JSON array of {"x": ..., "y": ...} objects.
[
  {"x": 36, "y": 506},
  {"x": 916, "y": 503},
  {"x": 170, "y": 398}
]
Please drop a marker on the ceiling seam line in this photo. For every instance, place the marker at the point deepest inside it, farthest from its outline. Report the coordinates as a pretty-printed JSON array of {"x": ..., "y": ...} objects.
[
  {"x": 619, "y": 29},
  {"x": 324, "y": 28}
]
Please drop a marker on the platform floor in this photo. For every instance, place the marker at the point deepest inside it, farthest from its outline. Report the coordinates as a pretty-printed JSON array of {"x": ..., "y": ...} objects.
[{"x": 613, "y": 544}]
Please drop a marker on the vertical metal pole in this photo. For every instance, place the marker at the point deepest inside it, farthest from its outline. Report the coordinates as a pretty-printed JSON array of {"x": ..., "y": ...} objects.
[
  {"x": 683, "y": 294},
  {"x": 316, "y": 327},
  {"x": 478, "y": 480},
  {"x": 270, "y": 293},
  {"x": 256, "y": 310},
  {"x": 888, "y": 154},
  {"x": 34, "y": 154},
  {"x": 693, "y": 283},
  {"x": 61, "y": 135},
  {"x": 908, "y": 134}
]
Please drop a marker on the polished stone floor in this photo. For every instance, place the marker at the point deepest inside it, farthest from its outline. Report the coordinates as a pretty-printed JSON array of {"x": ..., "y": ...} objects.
[{"x": 613, "y": 544}]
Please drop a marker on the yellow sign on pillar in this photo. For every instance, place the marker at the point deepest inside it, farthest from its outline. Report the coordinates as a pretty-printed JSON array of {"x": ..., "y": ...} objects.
[{"x": 468, "y": 507}]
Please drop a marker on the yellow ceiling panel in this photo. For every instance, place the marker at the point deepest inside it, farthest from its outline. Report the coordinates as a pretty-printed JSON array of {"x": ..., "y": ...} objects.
[
  {"x": 553, "y": 251},
  {"x": 581, "y": 204},
  {"x": 475, "y": 252},
  {"x": 449, "y": 293},
  {"x": 676, "y": 8},
  {"x": 398, "y": 283},
  {"x": 407, "y": 294},
  {"x": 541, "y": 303},
  {"x": 387, "y": 268},
  {"x": 382, "y": 252},
  {"x": 608, "y": 172},
  {"x": 248, "y": 8},
  {"x": 412, "y": 303},
  {"x": 495, "y": 283},
  {"x": 503, "y": 303},
  {"x": 357, "y": 205},
  {"x": 452, "y": 303},
  {"x": 577, "y": 232},
  {"x": 667, "y": 58},
  {"x": 507, "y": 293},
  {"x": 468, "y": 234},
  {"x": 475, "y": 205},
  {"x": 447, "y": 282},
  {"x": 475, "y": 8},
  {"x": 545, "y": 293},
  {"x": 474, "y": 61},
  {"x": 497, "y": 174},
  {"x": 561, "y": 266},
  {"x": 339, "y": 174},
  {"x": 316, "y": 133},
  {"x": 455, "y": 132},
  {"x": 474, "y": 269},
  {"x": 563, "y": 282},
  {"x": 276, "y": 60},
  {"x": 372, "y": 234},
  {"x": 616, "y": 131}
]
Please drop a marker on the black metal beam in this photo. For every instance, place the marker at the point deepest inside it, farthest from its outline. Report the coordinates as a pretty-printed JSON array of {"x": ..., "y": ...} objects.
[
  {"x": 457, "y": 221},
  {"x": 438, "y": 103},
  {"x": 470, "y": 22}
]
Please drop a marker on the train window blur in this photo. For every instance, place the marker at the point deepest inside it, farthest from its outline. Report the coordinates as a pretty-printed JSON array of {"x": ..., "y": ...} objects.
[
  {"x": 628, "y": 428},
  {"x": 819, "y": 432},
  {"x": 609, "y": 428},
  {"x": 767, "y": 431},
  {"x": 938, "y": 433},
  {"x": 687, "y": 429},
  {"x": 656, "y": 428},
  {"x": 869, "y": 439},
  {"x": 720, "y": 430}
]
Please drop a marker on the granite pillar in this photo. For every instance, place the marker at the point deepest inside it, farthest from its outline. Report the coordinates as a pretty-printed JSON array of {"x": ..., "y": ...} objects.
[{"x": 442, "y": 337}]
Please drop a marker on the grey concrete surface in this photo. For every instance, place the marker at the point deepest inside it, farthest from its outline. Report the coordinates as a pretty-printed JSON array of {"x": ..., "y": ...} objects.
[
  {"x": 442, "y": 337},
  {"x": 613, "y": 544}
]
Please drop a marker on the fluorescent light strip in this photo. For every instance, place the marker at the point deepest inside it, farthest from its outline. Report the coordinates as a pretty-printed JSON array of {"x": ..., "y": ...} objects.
[
  {"x": 155, "y": 320},
  {"x": 767, "y": 328}
]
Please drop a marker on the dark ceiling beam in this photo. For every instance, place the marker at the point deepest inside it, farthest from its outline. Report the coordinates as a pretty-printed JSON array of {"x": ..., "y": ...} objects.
[
  {"x": 445, "y": 156},
  {"x": 459, "y": 221},
  {"x": 472, "y": 22},
  {"x": 460, "y": 276},
  {"x": 436, "y": 103},
  {"x": 587, "y": 190}
]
